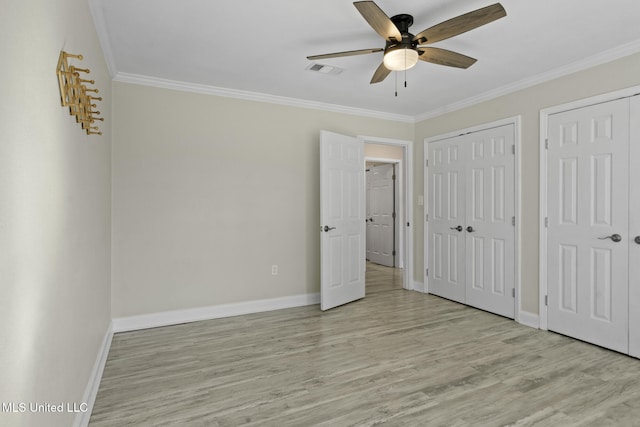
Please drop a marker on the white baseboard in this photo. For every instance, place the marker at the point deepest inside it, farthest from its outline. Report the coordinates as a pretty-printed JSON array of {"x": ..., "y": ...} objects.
[
  {"x": 89, "y": 396},
  {"x": 529, "y": 319},
  {"x": 419, "y": 287},
  {"x": 175, "y": 317}
]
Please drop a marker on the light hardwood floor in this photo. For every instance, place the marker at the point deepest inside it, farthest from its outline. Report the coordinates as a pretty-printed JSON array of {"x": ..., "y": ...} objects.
[
  {"x": 396, "y": 358},
  {"x": 379, "y": 278}
]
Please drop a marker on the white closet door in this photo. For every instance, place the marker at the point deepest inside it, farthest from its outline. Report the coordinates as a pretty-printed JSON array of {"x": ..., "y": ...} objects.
[
  {"x": 446, "y": 220},
  {"x": 490, "y": 232},
  {"x": 634, "y": 230},
  {"x": 588, "y": 200}
]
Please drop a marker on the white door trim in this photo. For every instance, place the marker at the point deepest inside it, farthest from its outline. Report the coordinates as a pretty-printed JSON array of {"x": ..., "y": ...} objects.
[
  {"x": 407, "y": 177},
  {"x": 516, "y": 121},
  {"x": 634, "y": 229},
  {"x": 544, "y": 132}
]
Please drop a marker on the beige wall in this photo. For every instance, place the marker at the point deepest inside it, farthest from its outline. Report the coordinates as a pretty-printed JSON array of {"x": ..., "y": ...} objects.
[
  {"x": 209, "y": 192},
  {"x": 382, "y": 151},
  {"x": 54, "y": 212},
  {"x": 528, "y": 103}
]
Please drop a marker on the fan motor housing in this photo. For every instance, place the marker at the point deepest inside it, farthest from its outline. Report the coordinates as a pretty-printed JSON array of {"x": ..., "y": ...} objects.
[{"x": 403, "y": 21}]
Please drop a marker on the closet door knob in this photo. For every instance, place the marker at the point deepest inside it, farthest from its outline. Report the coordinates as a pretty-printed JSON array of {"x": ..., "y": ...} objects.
[
  {"x": 637, "y": 240},
  {"x": 470, "y": 229},
  {"x": 459, "y": 228}
]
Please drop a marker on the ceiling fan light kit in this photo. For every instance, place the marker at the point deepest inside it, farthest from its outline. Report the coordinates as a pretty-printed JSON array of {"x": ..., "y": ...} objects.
[
  {"x": 398, "y": 58},
  {"x": 403, "y": 49}
]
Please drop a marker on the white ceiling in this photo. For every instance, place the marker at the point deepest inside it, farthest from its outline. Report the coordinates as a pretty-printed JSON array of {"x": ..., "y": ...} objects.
[{"x": 260, "y": 46}]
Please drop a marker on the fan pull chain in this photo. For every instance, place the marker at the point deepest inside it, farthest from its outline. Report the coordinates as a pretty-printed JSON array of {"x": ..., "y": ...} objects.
[
  {"x": 405, "y": 67},
  {"x": 396, "y": 75}
]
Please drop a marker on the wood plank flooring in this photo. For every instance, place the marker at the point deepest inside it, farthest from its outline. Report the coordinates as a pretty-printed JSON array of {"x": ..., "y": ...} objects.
[
  {"x": 397, "y": 358},
  {"x": 379, "y": 278}
]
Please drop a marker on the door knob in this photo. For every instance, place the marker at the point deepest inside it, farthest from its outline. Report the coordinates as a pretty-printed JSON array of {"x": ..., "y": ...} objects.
[
  {"x": 327, "y": 228},
  {"x": 637, "y": 240},
  {"x": 470, "y": 229},
  {"x": 459, "y": 228},
  {"x": 615, "y": 237}
]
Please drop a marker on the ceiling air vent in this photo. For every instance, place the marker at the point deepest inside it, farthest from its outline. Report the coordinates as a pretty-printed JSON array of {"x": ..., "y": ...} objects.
[{"x": 324, "y": 69}]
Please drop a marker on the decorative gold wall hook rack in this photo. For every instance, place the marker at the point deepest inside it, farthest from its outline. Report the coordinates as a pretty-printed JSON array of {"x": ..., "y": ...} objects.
[
  {"x": 84, "y": 70},
  {"x": 74, "y": 93}
]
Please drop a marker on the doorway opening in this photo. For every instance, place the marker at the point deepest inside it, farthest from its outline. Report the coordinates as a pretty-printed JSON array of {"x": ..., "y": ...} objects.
[
  {"x": 342, "y": 216},
  {"x": 386, "y": 218}
]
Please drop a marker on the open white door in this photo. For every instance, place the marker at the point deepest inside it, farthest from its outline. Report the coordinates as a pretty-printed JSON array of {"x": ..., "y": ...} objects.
[{"x": 342, "y": 219}]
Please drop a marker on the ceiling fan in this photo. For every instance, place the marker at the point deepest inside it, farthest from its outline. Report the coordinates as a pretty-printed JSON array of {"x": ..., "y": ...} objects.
[{"x": 403, "y": 50}]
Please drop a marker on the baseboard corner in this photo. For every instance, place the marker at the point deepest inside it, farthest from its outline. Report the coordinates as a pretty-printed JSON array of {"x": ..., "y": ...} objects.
[
  {"x": 529, "y": 319},
  {"x": 419, "y": 286},
  {"x": 91, "y": 391}
]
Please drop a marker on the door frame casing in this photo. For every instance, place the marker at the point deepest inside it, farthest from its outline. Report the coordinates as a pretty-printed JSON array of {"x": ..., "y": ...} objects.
[
  {"x": 407, "y": 181},
  {"x": 516, "y": 121},
  {"x": 544, "y": 133}
]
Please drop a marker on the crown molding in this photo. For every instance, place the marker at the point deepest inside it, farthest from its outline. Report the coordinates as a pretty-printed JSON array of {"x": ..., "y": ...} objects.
[
  {"x": 595, "y": 60},
  {"x": 103, "y": 35},
  {"x": 255, "y": 96},
  {"x": 581, "y": 65}
]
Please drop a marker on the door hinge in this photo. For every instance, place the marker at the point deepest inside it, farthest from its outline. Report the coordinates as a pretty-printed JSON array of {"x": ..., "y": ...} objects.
[
  {"x": 513, "y": 149},
  {"x": 546, "y": 300},
  {"x": 426, "y": 162},
  {"x": 513, "y": 292},
  {"x": 393, "y": 177},
  {"x": 513, "y": 221},
  {"x": 393, "y": 215},
  {"x": 426, "y": 272},
  {"x": 408, "y": 225},
  {"x": 546, "y": 221},
  {"x": 426, "y": 217},
  {"x": 546, "y": 143},
  {"x": 393, "y": 253}
]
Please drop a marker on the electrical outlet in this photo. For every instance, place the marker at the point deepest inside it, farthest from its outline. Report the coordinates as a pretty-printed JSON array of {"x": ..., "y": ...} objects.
[{"x": 274, "y": 270}]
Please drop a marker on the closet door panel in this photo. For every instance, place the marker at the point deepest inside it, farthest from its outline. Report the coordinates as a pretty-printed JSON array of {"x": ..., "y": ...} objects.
[
  {"x": 587, "y": 235},
  {"x": 446, "y": 220},
  {"x": 490, "y": 232}
]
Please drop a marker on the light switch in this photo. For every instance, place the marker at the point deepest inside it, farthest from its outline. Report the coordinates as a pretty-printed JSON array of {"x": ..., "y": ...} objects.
[{"x": 420, "y": 200}]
